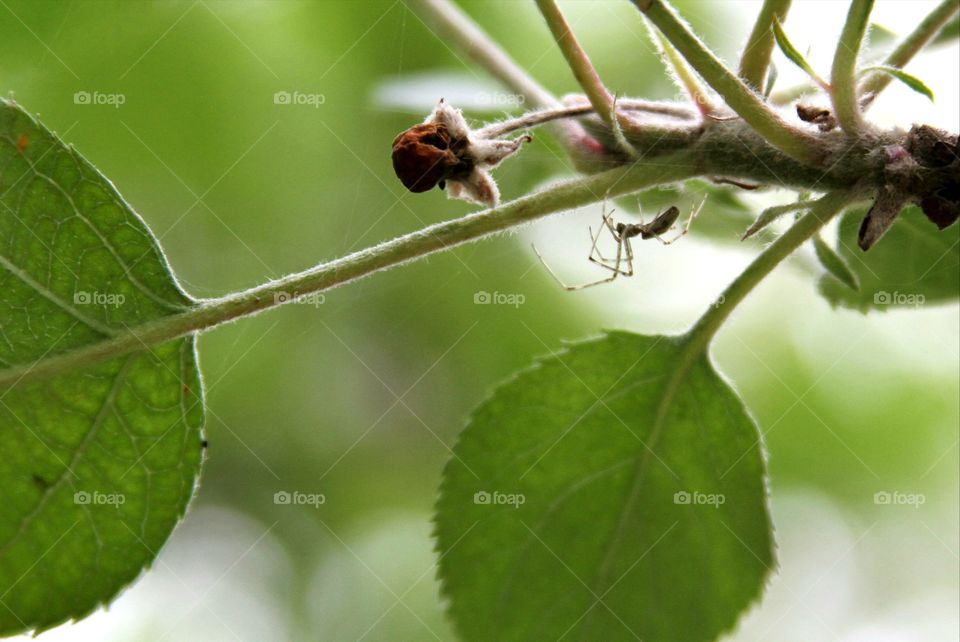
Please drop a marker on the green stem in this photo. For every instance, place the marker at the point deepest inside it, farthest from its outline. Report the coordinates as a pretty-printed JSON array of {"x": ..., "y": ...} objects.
[
  {"x": 843, "y": 81},
  {"x": 907, "y": 49},
  {"x": 451, "y": 24},
  {"x": 684, "y": 75},
  {"x": 820, "y": 213},
  {"x": 583, "y": 70},
  {"x": 791, "y": 94},
  {"x": 577, "y": 59},
  {"x": 756, "y": 54},
  {"x": 435, "y": 238},
  {"x": 738, "y": 96},
  {"x": 534, "y": 118}
]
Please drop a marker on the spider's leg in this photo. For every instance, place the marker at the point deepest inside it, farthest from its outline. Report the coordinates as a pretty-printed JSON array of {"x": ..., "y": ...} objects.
[
  {"x": 571, "y": 288},
  {"x": 601, "y": 260},
  {"x": 629, "y": 258},
  {"x": 615, "y": 269}
]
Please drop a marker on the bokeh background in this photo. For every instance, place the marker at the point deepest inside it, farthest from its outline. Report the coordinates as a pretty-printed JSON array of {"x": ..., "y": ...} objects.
[{"x": 360, "y": 398}]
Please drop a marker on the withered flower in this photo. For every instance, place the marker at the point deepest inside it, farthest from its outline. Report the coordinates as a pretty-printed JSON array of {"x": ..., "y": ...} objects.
[
  {"x": 444, "y": 151},
  {"x": 936, "y": 190},
  {"x": 819, "y": 116}
]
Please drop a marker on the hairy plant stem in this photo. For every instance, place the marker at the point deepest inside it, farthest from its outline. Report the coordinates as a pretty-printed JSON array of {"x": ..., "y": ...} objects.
[
  {"x": 822, "y": 210},
  {"x": 535, "y": 118},
  {"x": 684, "y": 75},
  {"x": 209, "y": 313},
  {"x": 908, "y": 48},
  {"x": 756, "y": 53},
  {"x": 452, "y": 24},
  {"x": 843, "y": 81},
  {"x": 578, "y": 60},
  {"x": 604, "y": 104},
  {"x": 794, "y": 142}
]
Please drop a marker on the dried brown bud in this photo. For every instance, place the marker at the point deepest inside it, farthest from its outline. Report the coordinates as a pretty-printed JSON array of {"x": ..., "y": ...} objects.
[
  {"x": 819, "y": 116},
  {"x": 443, "y": 148},
  {"x": 422, "y": 157},
  {"x": 937, "y": 149},
  {"x": 943, "y": 208},
  {"x": 886, "y": 208}
]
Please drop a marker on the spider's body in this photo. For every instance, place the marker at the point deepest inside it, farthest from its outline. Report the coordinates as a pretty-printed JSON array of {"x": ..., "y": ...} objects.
[
  {"x": 661, "y": 224},
  {"x": 622, "y": 233}
]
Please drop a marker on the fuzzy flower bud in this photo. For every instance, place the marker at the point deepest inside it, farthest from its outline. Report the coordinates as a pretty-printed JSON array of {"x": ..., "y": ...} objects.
[{"x": 444, "y": 151}]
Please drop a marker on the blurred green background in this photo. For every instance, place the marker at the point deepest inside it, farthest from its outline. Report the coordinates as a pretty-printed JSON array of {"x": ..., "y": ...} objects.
[{"x": 361, "y": 398}]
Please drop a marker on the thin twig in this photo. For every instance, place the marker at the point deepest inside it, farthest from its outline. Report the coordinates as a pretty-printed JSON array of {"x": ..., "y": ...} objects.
[
  {"x": 738, "y": 96},
  {"x": 684, "y": 75},
  {"x": 443, "y": 236},
  {"x": 577, "y": 59},
  {"x": 535, "y": 118},
  {"x": 822, "y": 210},
  {"x": 756, "y": 53},
  {"x": 843, "y": 80},
  {"x": 583, "y": 70},
  {"x": 906, "y": 50},
  {"x": 456, "y": 27}
]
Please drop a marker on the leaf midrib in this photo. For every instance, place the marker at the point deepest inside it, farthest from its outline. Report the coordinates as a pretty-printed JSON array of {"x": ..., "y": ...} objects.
[{"x": 690, "y": 351}]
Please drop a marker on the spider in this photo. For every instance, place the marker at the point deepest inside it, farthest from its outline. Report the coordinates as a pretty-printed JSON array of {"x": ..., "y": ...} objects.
[{"x": 622, "y": 233}]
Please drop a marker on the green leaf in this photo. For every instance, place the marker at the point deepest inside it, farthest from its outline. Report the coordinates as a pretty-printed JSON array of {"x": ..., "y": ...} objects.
[
  {"x": 879, "y": 36},
  {"x": 771, "y": 214},
  {"x": 613, "y": 492},
  {"x": 792, "y": 54},
  {"x": 912, "y": 82},
  {"x": 98, "y": 465},
  {"x": 772, "y": 75},
  {"x": 912, "y": 265},
  {"x": 834, "y": 263}
]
